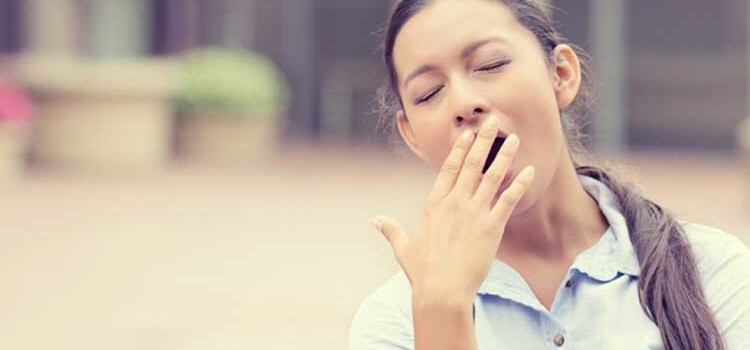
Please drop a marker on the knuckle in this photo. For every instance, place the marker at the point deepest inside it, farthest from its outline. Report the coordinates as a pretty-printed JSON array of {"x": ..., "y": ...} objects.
[
  {"x": 493, "y": 177},
  {"x": 432, "y": 205},
  {"x": 474, "y": 206},
  {"x": 431, "y": 198},
  {"x": 454, "y": 202},
  {"x": 488, "y": 134},
  {"x": 462, "y": 146},
  {"x": 510, "y": 197},
  {"x": 504, "y": 157},
  {"x": 474, "y": 163},
  {"x": 451, "y": 168},
  {"x": 508, "y": 151},
  {"x": 523, "y": 183}
]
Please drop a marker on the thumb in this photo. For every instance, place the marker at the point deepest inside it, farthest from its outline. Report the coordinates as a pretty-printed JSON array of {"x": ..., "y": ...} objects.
[{"x": 391, "y": 230}]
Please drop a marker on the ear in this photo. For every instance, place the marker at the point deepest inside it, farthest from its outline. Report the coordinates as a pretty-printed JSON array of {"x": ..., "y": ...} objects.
[
  {"x": 566, "y": 70},
  {"x": 407, "y": 134}
]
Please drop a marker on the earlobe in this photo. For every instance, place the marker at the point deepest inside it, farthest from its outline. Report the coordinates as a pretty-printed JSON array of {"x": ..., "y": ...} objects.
[
  {"x": 407, "y": 133},
  {"x": 567, "y": 74}
]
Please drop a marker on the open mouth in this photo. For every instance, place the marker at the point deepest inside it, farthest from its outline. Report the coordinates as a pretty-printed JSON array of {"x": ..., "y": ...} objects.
[{"x": 494, "y": 150}]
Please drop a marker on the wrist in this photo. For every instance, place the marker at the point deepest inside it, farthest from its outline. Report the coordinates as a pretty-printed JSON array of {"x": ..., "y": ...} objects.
[
  {"x": 443, "y": 321},
  {"x": 423, "y": 301}
]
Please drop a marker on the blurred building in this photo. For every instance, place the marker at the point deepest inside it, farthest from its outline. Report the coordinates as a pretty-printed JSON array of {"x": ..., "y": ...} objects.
[{"x": 671, "y": 75}]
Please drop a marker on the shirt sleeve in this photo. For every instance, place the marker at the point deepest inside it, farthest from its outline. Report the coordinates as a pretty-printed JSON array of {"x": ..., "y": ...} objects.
[
  {"x": 383, "y": 321},
  {"x": 724, "y": 264}
]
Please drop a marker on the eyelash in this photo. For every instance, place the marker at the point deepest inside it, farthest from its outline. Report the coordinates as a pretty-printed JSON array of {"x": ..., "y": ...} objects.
[
  {"x": 429, "y": 96},
  {"x": 494, "y": 66},
  {"x": 488, "y": 68}
]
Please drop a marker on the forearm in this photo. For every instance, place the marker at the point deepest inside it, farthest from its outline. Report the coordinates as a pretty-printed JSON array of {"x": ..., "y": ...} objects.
[{"x": 444, "y": 323}]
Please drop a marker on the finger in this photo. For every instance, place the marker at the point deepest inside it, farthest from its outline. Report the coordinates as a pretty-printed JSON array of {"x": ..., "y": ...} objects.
[
  {"x": 469, "y": 177},
  {"x": 452, "y": 166},
  {"x": 392, "y": 232},
  {"x": 511, "y": 196},
  {"x": 495, "y": 175}
]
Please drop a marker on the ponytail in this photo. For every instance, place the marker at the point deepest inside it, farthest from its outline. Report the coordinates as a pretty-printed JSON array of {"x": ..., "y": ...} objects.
[{"x": 669, "y": 287}]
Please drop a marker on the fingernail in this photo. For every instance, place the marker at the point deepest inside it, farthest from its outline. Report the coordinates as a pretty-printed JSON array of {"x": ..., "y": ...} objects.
[
  {"x": 512, "y": 140},
  {"x": 492, "y": 122},
  {"x": 532, "y": 171},
  {"x": 466, "y": 136},
  {"x": 376, "y": 223}
]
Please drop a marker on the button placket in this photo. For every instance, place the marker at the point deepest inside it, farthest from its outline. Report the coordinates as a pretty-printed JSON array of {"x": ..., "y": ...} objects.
[
  {"x": 558, "y": 339},
  {"x": 554, "y": 331}
]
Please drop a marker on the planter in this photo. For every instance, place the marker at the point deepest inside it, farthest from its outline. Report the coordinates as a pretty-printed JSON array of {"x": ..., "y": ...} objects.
[
  {"x": 220, "y": 139},
  {"x": 100, "y": 115},
  {"x": 743, "y": 136},
  {"x": 743, "y": 143}
]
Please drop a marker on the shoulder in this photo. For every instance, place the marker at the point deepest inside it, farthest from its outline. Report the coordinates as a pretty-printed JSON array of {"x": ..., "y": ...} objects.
[
  {"x": 713, "y": 248},
  {"x": 723, "y": 263},
  {"x": 384, "y": 319}
]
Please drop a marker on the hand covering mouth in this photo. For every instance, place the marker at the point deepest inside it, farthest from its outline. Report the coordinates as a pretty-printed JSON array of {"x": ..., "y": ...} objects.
[{"x": 494, "y": 150}]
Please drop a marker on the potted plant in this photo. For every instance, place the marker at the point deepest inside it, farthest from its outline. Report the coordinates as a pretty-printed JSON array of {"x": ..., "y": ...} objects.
[
  {"x": 16, "y": 112},
  {"x": 229, "y": 106}
]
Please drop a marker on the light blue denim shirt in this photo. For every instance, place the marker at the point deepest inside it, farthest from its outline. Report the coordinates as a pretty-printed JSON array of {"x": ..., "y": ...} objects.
[{"x": 596, "y": 307}]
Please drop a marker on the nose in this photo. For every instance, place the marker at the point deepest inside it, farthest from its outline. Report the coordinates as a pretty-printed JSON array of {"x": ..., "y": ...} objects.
[
  {"x": 476, "y": 113},
  {"x": 469, "y": 107}
]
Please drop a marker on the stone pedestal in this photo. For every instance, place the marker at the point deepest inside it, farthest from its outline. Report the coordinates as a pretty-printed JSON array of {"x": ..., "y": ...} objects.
[
  {"x": 13, "y": 140},
  {"x": 100, "y": 115},
  {"x": 226, "y": 140}
]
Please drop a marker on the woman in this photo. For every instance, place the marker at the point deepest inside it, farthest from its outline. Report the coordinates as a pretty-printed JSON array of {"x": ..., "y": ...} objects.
[{"x": 520, "y": 246}]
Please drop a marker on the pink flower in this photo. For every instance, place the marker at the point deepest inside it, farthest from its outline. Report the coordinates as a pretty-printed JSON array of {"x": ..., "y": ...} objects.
[{"x": 15, "y": 105}]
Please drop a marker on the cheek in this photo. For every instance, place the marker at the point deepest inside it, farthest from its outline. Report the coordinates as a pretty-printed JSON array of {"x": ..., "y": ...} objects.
[
  {"x": 538, "y": 123},
  {"x": 532, "y": 105},
  {"x": 542, "y": 140},
  {"x": 528, "y": 94},
  {"x": 435, "y": 143},
  {"x": 440, "y": 148}
]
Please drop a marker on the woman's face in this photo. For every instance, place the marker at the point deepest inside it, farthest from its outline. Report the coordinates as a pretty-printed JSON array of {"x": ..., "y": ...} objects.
[{"x": 459, "y": 62}]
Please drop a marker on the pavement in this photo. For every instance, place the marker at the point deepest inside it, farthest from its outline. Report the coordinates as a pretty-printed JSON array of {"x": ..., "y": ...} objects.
[{"x": 270, "y": 256}]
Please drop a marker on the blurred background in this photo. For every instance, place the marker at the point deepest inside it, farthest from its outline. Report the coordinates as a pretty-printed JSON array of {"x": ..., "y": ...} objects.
[{"x": 194, "y": 174}]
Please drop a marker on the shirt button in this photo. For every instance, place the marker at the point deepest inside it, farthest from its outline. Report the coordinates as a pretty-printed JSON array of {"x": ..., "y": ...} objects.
[
  {"x": 559, "y": 340},
  {"x": 569, "y": 283}
]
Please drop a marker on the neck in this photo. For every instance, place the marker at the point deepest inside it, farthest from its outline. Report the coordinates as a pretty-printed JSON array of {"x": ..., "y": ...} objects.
[{"x": 565, "y": 221}]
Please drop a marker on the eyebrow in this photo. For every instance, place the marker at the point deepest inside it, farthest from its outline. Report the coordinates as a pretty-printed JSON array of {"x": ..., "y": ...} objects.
[{"x": 466, "y": 52}]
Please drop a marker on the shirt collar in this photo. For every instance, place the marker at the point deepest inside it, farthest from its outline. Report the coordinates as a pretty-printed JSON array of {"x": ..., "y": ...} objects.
[
  {"x": 614, "y": 252},
  {"x": 604, "y": 261}
]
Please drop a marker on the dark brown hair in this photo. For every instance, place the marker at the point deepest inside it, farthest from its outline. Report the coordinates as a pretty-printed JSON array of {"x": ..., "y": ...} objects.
[{"x": 669, "y": 287}]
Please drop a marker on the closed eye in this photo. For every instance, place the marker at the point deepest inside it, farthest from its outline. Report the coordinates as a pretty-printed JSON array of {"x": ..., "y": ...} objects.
[
  {"x": 493, "y": 66},
  {"x": 428, "y": 96}
]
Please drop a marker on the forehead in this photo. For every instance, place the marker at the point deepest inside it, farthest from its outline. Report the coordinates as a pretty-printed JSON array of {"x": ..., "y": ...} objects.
[{"x": 445, "y": 26}]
